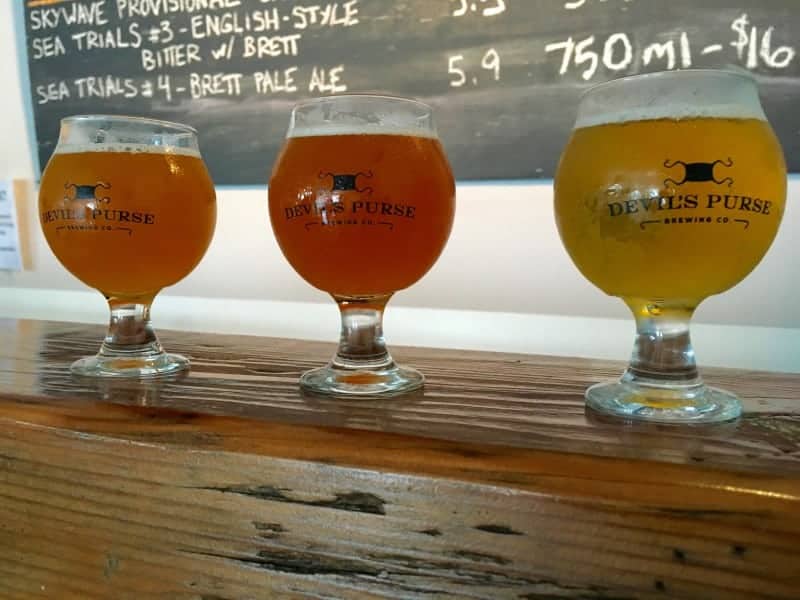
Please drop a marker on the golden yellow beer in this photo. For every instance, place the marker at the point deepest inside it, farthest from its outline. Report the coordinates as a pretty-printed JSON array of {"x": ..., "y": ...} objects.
[
  {"x": 671, "y": 189},
  {"x": 127, "y": 223},
  {"x": 636, "y": 229}
]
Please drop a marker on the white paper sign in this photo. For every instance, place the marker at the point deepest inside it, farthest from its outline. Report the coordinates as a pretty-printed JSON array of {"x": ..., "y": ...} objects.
[{"x": 10, "y": 257}]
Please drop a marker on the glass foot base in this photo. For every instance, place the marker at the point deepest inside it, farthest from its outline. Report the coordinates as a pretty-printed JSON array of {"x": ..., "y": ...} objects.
[
  {"x": 156, "y": 365},
  {"x": 390, "y": 381},
  {"x": 696, "y": 404}
]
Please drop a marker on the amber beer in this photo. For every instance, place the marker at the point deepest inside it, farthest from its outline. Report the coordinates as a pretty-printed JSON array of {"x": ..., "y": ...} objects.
[
  {"x": 361, "y": 214},
  {"x": 127, "y": 220},
  {"x": 676, "y": 206},
  {"x": 361, "y": 202}
]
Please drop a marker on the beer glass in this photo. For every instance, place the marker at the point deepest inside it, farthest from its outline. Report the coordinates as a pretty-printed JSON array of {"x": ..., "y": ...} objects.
[
  {"x": 671, "y": 189},
  {"x": 361, "y": 201},
  {"x": 127, "y": 206}
]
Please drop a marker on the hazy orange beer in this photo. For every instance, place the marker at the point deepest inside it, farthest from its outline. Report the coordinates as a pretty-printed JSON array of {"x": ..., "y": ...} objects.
[
  {"x": 127, "y": 206},
  {"x": 362, "y": 214},
  {"x": 148, "y": 223},
  {"x": 361, "y": 201}
]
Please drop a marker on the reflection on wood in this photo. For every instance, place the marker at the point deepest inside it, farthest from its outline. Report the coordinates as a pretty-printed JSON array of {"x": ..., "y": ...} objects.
[{"x": 491, "y": 483}]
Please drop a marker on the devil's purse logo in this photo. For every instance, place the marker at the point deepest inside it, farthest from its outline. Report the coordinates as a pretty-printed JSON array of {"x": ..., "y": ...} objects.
[
  {"x": 736, "y": 208},
  {"x": 346, "y": 199},
  {"x": 87, "y": 208}
]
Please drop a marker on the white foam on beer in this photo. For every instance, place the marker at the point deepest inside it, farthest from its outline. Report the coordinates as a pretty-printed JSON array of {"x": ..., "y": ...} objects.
[
  {"x": 126, "y": 148},
  {"x": 674, "y": 95},
  {"x": 676, "y": 112},
  {"x": 361, "y": 129}
]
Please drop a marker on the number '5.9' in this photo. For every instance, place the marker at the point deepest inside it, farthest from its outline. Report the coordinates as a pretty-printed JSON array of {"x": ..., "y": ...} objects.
[{"x": 489, "y": 62}]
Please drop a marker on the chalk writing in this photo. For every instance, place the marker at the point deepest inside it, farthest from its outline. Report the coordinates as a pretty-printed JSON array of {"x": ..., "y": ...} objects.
[
  {"x": 506, "y": 71},
  {"x": 753, "y": 45},
  {"x": 576, "y": 4},
  {"x": 490, "y": 61},
  {"x": 616, "y": 53},
  {"x": 486, "y": 8}
]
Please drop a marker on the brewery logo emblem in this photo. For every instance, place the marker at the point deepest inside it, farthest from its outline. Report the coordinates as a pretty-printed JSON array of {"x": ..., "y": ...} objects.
[
  {"x": 77, "y": 191},
  {"x": 680, "y": 204},
  {"x": 347, "y": 182},
  {"x": 347, "y": 199},
  {"x": 698, "y": 172},
  {"x": 86, "y": 208}
]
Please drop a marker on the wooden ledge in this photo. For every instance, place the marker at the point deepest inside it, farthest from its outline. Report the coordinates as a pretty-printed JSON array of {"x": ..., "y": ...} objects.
[{"x": 492, "y": 483}]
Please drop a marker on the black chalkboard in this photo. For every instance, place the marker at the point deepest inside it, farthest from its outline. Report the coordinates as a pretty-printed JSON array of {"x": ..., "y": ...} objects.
[{"x": 504, "y": 75}]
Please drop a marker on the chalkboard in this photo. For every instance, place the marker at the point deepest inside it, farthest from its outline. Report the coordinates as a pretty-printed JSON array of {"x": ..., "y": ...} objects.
[{"x": 503, "y": 75}]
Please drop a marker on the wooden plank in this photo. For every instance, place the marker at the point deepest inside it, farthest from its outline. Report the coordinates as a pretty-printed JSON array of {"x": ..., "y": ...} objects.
[
  {"x": 206, "y": 489},
  {"x": 79, "y": 505},
  {"x": 513, "y": 399}
]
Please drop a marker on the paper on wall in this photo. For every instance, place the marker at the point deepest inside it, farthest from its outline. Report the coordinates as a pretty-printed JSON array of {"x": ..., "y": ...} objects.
[{"x": 10, "y": 255}]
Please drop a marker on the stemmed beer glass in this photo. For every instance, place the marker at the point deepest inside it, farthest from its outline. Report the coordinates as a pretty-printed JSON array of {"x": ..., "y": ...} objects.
[
  {"x": 361, "y": 201},
  {"x": 128, "y": 207},
  {"x": 671, "y": 189}
]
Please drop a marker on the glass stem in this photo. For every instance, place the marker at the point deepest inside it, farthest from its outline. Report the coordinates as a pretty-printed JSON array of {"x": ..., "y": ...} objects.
[
  {"x": 129, "y": 332},
  {"x": 663, "y": 353},
  {"x": 361, "y": 344}
]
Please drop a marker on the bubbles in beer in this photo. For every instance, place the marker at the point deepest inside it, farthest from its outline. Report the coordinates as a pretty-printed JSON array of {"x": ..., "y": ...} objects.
[
  {"x": 362, "y": 115},
  {"x": 126, "y": 148},
  {"x": 359, "y": 129}
]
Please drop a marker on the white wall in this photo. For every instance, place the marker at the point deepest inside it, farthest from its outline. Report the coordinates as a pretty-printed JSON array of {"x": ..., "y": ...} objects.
[{"x": 504, "y": 281}]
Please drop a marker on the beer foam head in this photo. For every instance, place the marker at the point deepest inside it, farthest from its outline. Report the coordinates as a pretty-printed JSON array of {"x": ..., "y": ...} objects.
[
  {"x": 134, "y": 135},
  {"x": 321, "y": 131},
  {"x": 126, "y": 148},
  {"x": 675, "y": 95},
  {"x": 361, "y": 114}
]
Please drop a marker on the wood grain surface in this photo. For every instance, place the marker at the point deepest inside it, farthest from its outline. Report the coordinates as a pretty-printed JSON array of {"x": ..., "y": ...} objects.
[{"x": 491, "y": 483}]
